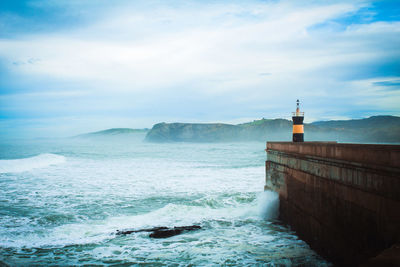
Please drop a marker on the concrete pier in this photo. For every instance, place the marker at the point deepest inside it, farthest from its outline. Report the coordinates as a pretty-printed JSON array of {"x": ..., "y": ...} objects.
[{"x": 342, "y": 199}]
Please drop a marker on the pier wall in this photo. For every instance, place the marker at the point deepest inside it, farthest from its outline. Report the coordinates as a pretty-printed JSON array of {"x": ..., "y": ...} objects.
[{"x": 342, "y": 199}]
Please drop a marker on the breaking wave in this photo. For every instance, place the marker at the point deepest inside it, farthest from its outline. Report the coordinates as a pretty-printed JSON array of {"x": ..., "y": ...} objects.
[
  {"x": 236, "y": 209},
  {"x": 27, "y": 164}
]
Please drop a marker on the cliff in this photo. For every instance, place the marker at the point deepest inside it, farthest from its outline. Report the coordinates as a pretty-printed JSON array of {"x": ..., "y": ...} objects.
[
  {"x": 381, "y": 129},
  {"x": 192, "y": 132}
]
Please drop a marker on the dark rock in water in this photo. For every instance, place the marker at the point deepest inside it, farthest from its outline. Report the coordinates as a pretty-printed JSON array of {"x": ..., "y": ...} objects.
[
  {"x": 127, "y": 232},
  {"x": 165, "y": 233},
  {"x": 162, "y": 232}
]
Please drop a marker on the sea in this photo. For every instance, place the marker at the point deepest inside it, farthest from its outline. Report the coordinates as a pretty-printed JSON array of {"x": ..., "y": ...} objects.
[{"x": 63, "y": 200}]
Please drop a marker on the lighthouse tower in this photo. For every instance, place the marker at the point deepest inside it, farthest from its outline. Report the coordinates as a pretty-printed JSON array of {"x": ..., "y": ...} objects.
[{"x": 298, "y": 127}]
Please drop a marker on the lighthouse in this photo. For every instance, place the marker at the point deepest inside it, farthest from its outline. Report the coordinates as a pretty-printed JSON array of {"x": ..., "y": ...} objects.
[{"x": 298, "y": 127}]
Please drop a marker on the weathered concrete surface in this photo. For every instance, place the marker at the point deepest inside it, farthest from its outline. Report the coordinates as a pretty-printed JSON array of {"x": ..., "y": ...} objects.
[
  {"x": 389, "y": 257},
  {"x": 343, "y": 199}
]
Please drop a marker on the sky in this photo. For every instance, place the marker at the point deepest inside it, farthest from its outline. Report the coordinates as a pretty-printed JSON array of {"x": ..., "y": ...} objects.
[{"x": 74, "y": 66}]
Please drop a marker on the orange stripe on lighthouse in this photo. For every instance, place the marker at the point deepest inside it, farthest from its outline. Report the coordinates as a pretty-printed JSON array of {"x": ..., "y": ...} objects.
[{"x": 298, "y": 129}]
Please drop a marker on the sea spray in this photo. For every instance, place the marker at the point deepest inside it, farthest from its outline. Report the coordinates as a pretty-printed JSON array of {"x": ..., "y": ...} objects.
[
  {"x": 27, "y": 164},
  {"x": 268, "y": 205}
]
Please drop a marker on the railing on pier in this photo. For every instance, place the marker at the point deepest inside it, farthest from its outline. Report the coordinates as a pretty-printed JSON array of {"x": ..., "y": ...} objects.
[{"x": 296, "y": 114}]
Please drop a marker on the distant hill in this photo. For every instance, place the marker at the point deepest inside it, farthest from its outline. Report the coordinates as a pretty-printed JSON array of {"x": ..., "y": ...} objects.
[
  {"x": 376, "y": 129},
  {"x": 374, "y": 121},
  {"x": 114, "y": 132},
  {"x": 192, "y": 132}
]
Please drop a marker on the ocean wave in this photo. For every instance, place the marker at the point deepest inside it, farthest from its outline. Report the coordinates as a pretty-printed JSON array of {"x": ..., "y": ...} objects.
[
  {"x": 264, "y": 205},
  {"x": 231, "y": 210},
  {"x": 27, "y": 164}
]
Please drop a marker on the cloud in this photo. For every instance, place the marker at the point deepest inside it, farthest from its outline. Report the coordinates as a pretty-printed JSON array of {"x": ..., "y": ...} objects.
[
  {"x": 203, "y": 60},
  {"x": 234, "y": 47}
]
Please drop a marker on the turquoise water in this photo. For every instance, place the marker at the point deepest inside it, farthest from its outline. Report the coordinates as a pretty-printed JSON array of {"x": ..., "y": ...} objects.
[{"x": 62, "y": 201}]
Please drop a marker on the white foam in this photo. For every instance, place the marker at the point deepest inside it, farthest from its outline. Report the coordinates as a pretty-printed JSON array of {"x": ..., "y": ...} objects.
[
  {"x": 265, "y": 205},
  {"x": 27, "y": 164}
]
